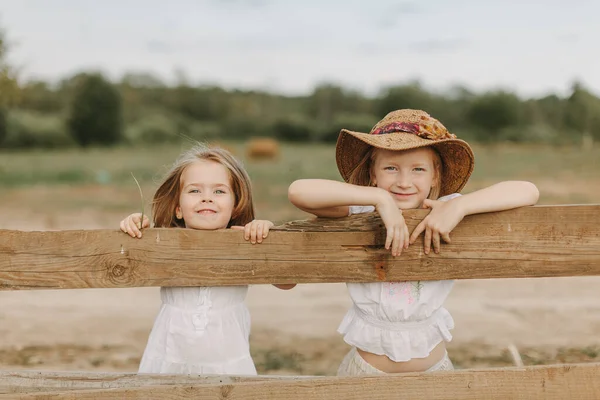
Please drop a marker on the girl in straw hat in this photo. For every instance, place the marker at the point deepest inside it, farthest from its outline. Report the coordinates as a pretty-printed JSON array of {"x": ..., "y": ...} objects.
[{"x": 408, "y": 160}]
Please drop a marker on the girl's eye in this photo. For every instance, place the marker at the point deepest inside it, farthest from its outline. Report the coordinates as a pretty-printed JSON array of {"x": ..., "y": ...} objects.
[
  {"x": 390, "y": 168},
  {"x": 219, "y": 191},
  {"x": 420, "y": 169},
  {"x": 194, "y": 191}
]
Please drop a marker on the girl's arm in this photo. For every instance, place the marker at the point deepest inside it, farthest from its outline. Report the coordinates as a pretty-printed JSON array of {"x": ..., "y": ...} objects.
[
  {"x": 498, "y": 197},
  {"x": 444, "y": 216},
  {"x": 326, "y": 198}
]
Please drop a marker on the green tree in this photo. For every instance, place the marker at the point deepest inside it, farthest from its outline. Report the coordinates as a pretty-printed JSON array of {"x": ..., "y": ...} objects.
[
  {"x": 3, "y": 126},
  {"x": 327, "y": 101},
  {"x": 411, "y": 95},
  {"x": 293, "y": 129},
  {"x": 582, "y": 112},
  {"x": 38, "y": 96},
  {"x": 550, "y": 110},
  {"x": 96, "y": 112},
  {"x": 493, "y": 112},
  {"x": 9, "y": 88}
]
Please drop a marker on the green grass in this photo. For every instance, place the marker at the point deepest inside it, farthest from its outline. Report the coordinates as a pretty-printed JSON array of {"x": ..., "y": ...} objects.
[
  {"x": 115, "y": 165},
  {"x": 564, "y": 175},
  {"x": 531, "y": 162}
]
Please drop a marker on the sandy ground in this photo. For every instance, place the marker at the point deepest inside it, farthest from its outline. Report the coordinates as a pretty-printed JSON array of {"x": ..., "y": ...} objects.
[
  {"x": 528, "y": 312},
  {"x": 106, "y": 329}
]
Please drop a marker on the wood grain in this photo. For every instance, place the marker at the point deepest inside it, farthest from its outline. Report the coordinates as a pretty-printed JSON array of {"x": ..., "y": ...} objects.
[
  {"x": 541, "y": 241},
  {"x": 50, "y": 381},
  {"x": 555, "y": 382}
]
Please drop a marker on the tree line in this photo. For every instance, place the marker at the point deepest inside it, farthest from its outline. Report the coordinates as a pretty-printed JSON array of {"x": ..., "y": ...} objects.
[{"x": 88, "y": 110}]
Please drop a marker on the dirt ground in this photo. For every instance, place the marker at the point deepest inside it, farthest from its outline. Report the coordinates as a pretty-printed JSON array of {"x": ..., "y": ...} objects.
[{"x": 549, "y": 320}]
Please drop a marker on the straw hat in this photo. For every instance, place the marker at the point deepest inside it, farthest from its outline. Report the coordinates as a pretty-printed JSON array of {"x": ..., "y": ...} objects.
[{"x": 404, "y": 130}]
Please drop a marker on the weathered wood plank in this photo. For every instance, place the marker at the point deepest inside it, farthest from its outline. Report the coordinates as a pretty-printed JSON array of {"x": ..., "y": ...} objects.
[
  {"x": 538, "y": 241},
  {"x": 50, "y": 381},
  {"x": 532, "y": 383}
]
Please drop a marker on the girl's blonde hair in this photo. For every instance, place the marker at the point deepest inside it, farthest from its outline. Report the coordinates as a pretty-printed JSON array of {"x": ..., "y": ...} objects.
[
  {"x": 362, "y": 174},
  {"x": 166, "y": 198}
]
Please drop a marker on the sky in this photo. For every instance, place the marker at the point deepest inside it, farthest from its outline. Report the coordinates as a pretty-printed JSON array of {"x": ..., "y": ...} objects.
[{"x": 289, "y": 46}]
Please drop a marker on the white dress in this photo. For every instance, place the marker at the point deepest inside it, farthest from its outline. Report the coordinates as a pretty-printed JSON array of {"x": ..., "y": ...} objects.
[
  {"x": 402, "y": 320},
  {"x": 200, "y": 330}
]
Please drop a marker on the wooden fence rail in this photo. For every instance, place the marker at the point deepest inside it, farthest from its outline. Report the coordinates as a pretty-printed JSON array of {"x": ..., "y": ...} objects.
[
  {"x": 557, "y": 382},
  {"x": 527, "y": 242},
  {"x": 54, "y": 381}
]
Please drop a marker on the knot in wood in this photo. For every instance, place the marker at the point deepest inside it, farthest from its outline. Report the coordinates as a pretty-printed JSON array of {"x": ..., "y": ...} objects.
[
  {"x": 381, "y": 269},
  {"x": 226, "y": 391},
  {"x": 119, "y": 275},
  {"x": 118, "y": 270}
]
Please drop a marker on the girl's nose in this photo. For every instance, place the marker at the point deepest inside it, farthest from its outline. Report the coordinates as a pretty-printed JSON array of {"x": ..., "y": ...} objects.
[{"x": 404, "y": 181}]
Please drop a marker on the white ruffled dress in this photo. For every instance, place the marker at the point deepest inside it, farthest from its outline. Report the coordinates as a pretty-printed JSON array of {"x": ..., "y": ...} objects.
[
  {"x": 402, "y": 320},
  {"x": 200, "y": 330}
]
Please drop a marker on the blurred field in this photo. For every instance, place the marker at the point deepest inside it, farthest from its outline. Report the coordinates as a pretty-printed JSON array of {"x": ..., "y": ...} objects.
[
  {"x": 72, "y": 181},
  {"x": 293, "y": 332}
]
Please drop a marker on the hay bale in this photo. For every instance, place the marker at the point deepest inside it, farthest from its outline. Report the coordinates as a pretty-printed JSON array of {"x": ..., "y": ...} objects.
[{"x": 261, "y": 148}]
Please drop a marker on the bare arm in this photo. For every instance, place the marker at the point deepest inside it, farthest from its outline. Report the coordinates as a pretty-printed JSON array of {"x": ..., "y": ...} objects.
[
  {"x": 444, "y": 216},
  {"x": 326, "y": 198},
  {"x": 285, "y": 286},
  {"x": 498, "y": 197}
]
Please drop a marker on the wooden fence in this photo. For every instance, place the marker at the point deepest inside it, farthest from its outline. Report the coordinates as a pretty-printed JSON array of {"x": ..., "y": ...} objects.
[{"x": 541, "y": 241}]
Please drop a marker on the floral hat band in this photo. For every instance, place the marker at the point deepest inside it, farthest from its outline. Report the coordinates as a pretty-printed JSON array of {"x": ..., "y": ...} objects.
[{"x": 427, "y": 129}]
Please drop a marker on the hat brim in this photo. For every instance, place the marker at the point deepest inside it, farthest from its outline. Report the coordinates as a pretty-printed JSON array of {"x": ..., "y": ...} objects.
[{"x": 456, "y": 155}]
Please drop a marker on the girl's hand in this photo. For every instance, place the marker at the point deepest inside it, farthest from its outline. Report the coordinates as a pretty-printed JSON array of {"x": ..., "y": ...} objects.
[
  {"x": 442, "y": 219},
  {"x": 256, "y": 230},
  {"x": 133, "y": 225},
  {"x": 397, "y": 232}
]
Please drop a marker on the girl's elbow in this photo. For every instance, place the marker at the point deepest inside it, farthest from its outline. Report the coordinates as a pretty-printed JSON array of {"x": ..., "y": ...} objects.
[
  {"x": 287, "y": 286},
  {"x": 534, "y": 193},
  {"x": 294, "y": 193}
]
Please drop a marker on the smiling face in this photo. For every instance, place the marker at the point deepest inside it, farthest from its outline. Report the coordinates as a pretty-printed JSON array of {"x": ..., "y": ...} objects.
[
  {"x": 206, "y": 200},
  {"x": 407, "y": 175}
]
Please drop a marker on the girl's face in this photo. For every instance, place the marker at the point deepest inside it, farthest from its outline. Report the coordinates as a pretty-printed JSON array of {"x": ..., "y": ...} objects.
[
  {"x": 206, "y": 200},
  {"x": 408, "y": 175}
]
